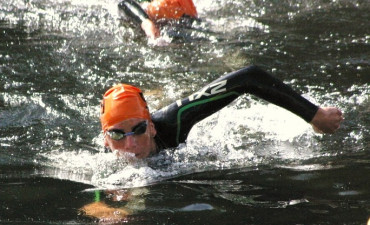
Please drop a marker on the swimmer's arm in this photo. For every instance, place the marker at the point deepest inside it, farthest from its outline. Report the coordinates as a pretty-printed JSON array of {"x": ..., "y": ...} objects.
[
  {"x": 175, "y": 121},
  {"x": 133, "y": 10},
  {"x": 255, "y": 81},
  {"x": 150, "y": 29}
]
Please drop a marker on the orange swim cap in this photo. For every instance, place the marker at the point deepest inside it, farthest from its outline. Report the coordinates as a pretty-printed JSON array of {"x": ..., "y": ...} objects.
[
  {"x": 122, "y": 102},
  {"x": 171, "y": 9}
]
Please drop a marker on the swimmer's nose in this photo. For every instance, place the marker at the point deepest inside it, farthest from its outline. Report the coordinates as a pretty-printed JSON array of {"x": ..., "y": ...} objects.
[{"x": 130, "y": 143}]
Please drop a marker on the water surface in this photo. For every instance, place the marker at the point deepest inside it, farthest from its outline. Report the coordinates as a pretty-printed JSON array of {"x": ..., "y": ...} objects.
[{"x": 250, "y": 163}]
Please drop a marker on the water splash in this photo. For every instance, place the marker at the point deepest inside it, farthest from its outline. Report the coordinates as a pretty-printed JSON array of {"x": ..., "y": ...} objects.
[
  {"x": 100, "y": 50},
  {"x": 247, "y": 138}
]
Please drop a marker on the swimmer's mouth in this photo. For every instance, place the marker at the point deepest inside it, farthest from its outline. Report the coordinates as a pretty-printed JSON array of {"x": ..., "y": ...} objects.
[{"x": 138, "y": 155}]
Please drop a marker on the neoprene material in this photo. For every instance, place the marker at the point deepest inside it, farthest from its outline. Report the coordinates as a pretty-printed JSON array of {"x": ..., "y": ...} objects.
[
  {"x": 173, "y": 123},
  {"x": 133, "y": 10}
]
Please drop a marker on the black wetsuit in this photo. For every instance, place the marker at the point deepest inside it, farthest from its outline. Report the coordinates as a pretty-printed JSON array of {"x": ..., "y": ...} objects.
[
  {"x": 173, "y": 123},
  {"x": 133, "y": 11}
]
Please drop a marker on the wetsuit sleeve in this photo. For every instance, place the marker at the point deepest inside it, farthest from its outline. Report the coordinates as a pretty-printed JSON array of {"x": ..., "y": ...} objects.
[
  {"x": 133, "y": 10},
  {"x": 173, "y": 123}
]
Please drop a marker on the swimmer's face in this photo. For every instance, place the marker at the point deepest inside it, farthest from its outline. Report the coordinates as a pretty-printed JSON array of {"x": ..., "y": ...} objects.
[{"x": 134, "y": 136}]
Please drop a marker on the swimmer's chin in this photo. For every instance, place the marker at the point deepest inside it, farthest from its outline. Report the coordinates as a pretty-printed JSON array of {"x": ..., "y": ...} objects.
[{"x": 129, "y": 156}]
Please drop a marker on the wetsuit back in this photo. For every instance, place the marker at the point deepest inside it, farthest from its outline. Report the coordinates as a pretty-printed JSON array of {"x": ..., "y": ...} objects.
[{"x": 173, "y": 123}]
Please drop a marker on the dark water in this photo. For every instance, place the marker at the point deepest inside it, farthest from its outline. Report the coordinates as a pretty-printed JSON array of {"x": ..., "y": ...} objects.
[{"x": 251, "y": 163}]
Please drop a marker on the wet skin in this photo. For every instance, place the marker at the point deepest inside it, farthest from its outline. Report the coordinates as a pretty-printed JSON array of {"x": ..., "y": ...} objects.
[{"x": 141, "y": 145}]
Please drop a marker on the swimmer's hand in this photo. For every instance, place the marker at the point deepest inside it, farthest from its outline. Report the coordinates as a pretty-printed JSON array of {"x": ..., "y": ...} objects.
[
  {"x": 327, "y": 120},
  {"x": 103, "y": 212},
  {"x": 150, "y": 29}
]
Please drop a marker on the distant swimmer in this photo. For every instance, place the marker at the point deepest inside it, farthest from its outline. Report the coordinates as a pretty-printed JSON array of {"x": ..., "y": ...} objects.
[
  {"x": 128, "y": 127},
  {"x": 147, "y": 14}
]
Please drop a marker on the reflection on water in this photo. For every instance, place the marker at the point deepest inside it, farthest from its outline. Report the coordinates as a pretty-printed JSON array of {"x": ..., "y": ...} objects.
[{"x": 58, "y": 57}]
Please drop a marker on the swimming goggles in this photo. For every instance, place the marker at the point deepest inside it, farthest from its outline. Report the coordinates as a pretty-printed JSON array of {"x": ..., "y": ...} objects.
[{"x": 117, "y": 134}]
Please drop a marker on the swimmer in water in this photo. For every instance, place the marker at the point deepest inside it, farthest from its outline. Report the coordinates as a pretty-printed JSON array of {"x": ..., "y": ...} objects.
[
  {"x": 128, "y": 127},
  {"x": 148, "y": 14}
]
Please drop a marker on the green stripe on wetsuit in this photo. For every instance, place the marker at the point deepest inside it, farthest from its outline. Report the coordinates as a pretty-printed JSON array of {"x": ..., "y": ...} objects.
[
  {"x": 97, "y": 196},
  {"x": 179, "y": 113}
]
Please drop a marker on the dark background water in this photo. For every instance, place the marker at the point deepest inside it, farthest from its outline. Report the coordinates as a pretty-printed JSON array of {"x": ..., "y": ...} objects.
[{"x": 250, "y": 164}]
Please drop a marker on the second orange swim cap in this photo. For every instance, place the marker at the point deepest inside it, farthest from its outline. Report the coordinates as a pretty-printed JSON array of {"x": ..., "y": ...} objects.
[
  {"x": 171, "y": 9},
  {"x": 122, "y": 102}
]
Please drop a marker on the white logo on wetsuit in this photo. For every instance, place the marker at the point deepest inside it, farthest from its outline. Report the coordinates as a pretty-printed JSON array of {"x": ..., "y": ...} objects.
[{"x": 212, "y": 89}]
